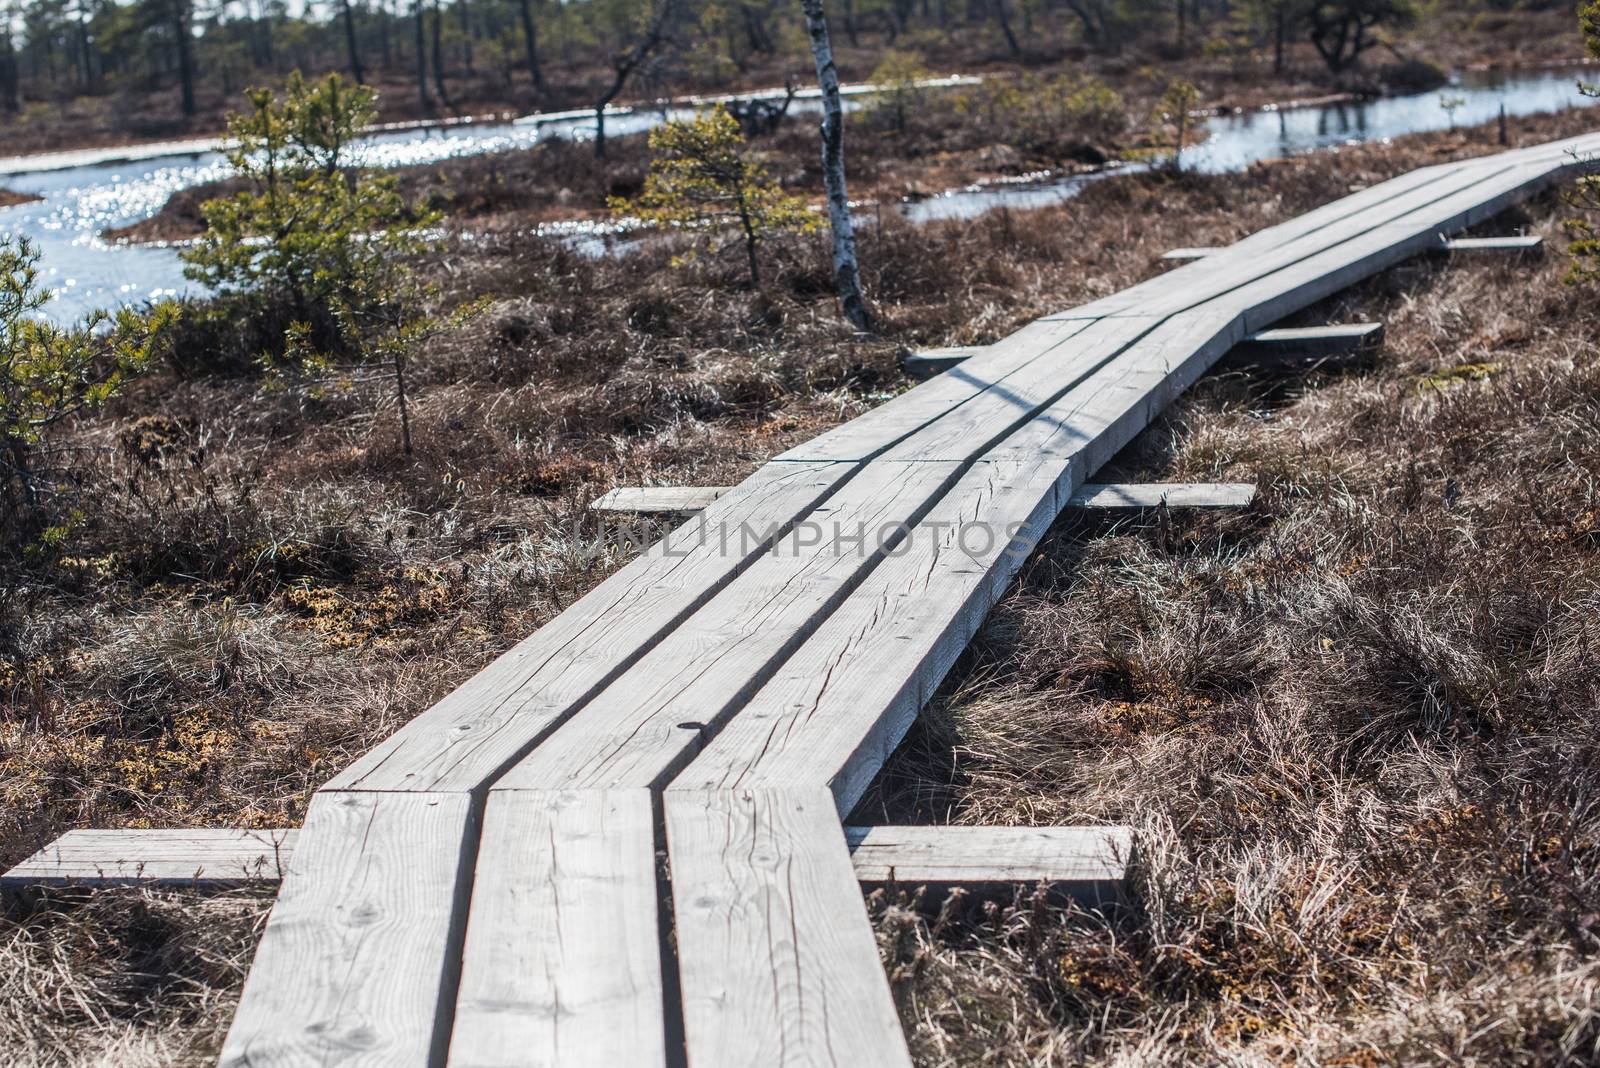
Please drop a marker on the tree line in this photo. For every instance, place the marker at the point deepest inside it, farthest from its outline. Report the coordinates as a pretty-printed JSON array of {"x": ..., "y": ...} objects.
[{"x": 587, "y": 51}]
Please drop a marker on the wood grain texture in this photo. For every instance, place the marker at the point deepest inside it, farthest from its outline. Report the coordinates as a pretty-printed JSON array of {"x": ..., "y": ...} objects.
[
  {"x": 202, "y": 857},
  {"x": 465, "y": 740},
  {"x": 1092, "y": 862},
  {"x": 870, "y": 434},
  {"x": 1520, "y": 243},
  {"x": 1135, "y": 495},
  {"x": 835, "y": 710},
  {"x": 655, "y": 500},
  {"x": 562, "y": 966},
  {"x": 650, "y": 722},
  {"x": 984, "y": 421},
  {"x": 925, "y": 363},
  {"x": 358, "y": 961},
  {"x": 778, "y": 965}
]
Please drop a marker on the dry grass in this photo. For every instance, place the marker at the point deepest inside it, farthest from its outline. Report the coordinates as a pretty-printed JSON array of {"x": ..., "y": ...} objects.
[
  {"x": 1355, "y": 728},
  {"x": 1389, "y": 662}
]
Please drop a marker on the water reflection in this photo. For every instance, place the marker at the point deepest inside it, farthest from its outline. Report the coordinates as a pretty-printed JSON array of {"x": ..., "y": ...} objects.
[{"x": 79, "y": 203}]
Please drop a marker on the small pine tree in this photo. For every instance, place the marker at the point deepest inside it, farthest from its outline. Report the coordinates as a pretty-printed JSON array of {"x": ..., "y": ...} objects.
[
  {"x": 49, "y": 373},
  {"x": 1172, "y": 113},
  {"x": 316, "y": 247},
  {"x": 701, "y": 182},
  {"x": 1585, "y": 244},
  {"x": 899, "y": 77}
]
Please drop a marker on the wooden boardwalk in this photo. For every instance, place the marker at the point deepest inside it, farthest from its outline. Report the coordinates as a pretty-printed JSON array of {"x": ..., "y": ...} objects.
[{"x": 621, "y": 843}]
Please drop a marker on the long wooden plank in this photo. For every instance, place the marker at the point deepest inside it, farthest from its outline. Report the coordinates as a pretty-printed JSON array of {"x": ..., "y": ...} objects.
[
  {"x": 633, "y": 736},
  {"x": 465, "y": 740},
  {"x": 357, "y": 966},
  {"x": 1251, "y": 261},
  {"x": 648, "y": 723},
  {"x": 872, "y": 432},
  {"x": 563, "y": 943},
  {"x": 777, "y": 960},
  {"x": 1088, "y": 863},
  {"x": 1074, "y": 433},
  {"x": 203, "y": 856},
  {"x": 835, "y": 709},
  {"x": 1325, "y": 219},
  {"x": 968, "y": 431}
]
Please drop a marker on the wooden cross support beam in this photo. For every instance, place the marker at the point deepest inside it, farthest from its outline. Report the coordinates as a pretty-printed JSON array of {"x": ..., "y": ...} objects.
[
  {"x": 681, "y": 500},
  {"x": 1307, "y": 346},
  {"x": 1520, "y": 243},
  {"x": 1088, "y": 864},
  {"x": 1190, "y": 253},
  {"x": 923, "y": 364}
]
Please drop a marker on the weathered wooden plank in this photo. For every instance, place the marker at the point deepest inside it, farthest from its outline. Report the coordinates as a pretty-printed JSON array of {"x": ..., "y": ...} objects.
[
  {"x": 1324, "y": 220},
  {"x": 203, "y": 856},
  {"x": 776, "y": 958},
  {"x": 654, "y": 500},
  {"x": 497, "y": 715},
  {"x": 562, "y": 965},
  {"x": 1197, "y": 253},
  {"x": 872, "y": 432},
  {"x": 1308, "y": 345},
  {"x": 643, "y": 727},
  {"x": 1121, "y": 495},
  {"x": 839, "y": 705},
  {"x": 1089, "y": 864},
  {"x": 1131, "y": 495},
  {"x": 968, "y": 431},
  {"x": 357, "y": 965},
  {"x": 925, "y": 363},
  {"x": 1315, "y": 277},
  {"x": 1523, "y": 243}
]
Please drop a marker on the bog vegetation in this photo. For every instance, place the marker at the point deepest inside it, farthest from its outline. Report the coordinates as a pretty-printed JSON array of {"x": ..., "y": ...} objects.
[{"x": 246, "y": 537}]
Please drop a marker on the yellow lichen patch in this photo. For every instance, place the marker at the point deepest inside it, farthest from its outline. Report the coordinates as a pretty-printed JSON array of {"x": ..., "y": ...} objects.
[
  {"x": 1455, "y": 376},
  {"x": 350, "y": 617}
]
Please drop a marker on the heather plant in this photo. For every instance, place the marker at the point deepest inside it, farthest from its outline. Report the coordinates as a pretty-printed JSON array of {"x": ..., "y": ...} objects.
[
  {"x": 317, "y": 251},
  {"x": 702, "y": 182}
]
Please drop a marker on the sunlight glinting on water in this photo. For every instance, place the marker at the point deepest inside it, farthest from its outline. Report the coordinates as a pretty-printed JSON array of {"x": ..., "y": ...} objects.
[{"x": 80, "y": 203}]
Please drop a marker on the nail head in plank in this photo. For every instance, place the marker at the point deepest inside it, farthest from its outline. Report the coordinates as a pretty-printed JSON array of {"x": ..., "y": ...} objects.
[
  {"x": 1088, "y": 864},
  {"x": 562, "y": 964},
  {"x": 1520, "y": 243},
  {"x": 652, "y": 500},
  {"x": 201, "y": 857},
  {"x": 358, "y": 962},
  {"x": 777, "y": 961}
]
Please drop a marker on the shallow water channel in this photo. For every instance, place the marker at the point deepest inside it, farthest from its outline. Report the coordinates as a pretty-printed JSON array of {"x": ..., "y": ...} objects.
[{"x": 80, "y": 202}]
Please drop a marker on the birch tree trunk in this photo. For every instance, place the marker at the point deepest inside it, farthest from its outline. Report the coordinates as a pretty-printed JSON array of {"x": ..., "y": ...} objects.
[{"x": 846, "y": 269}]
